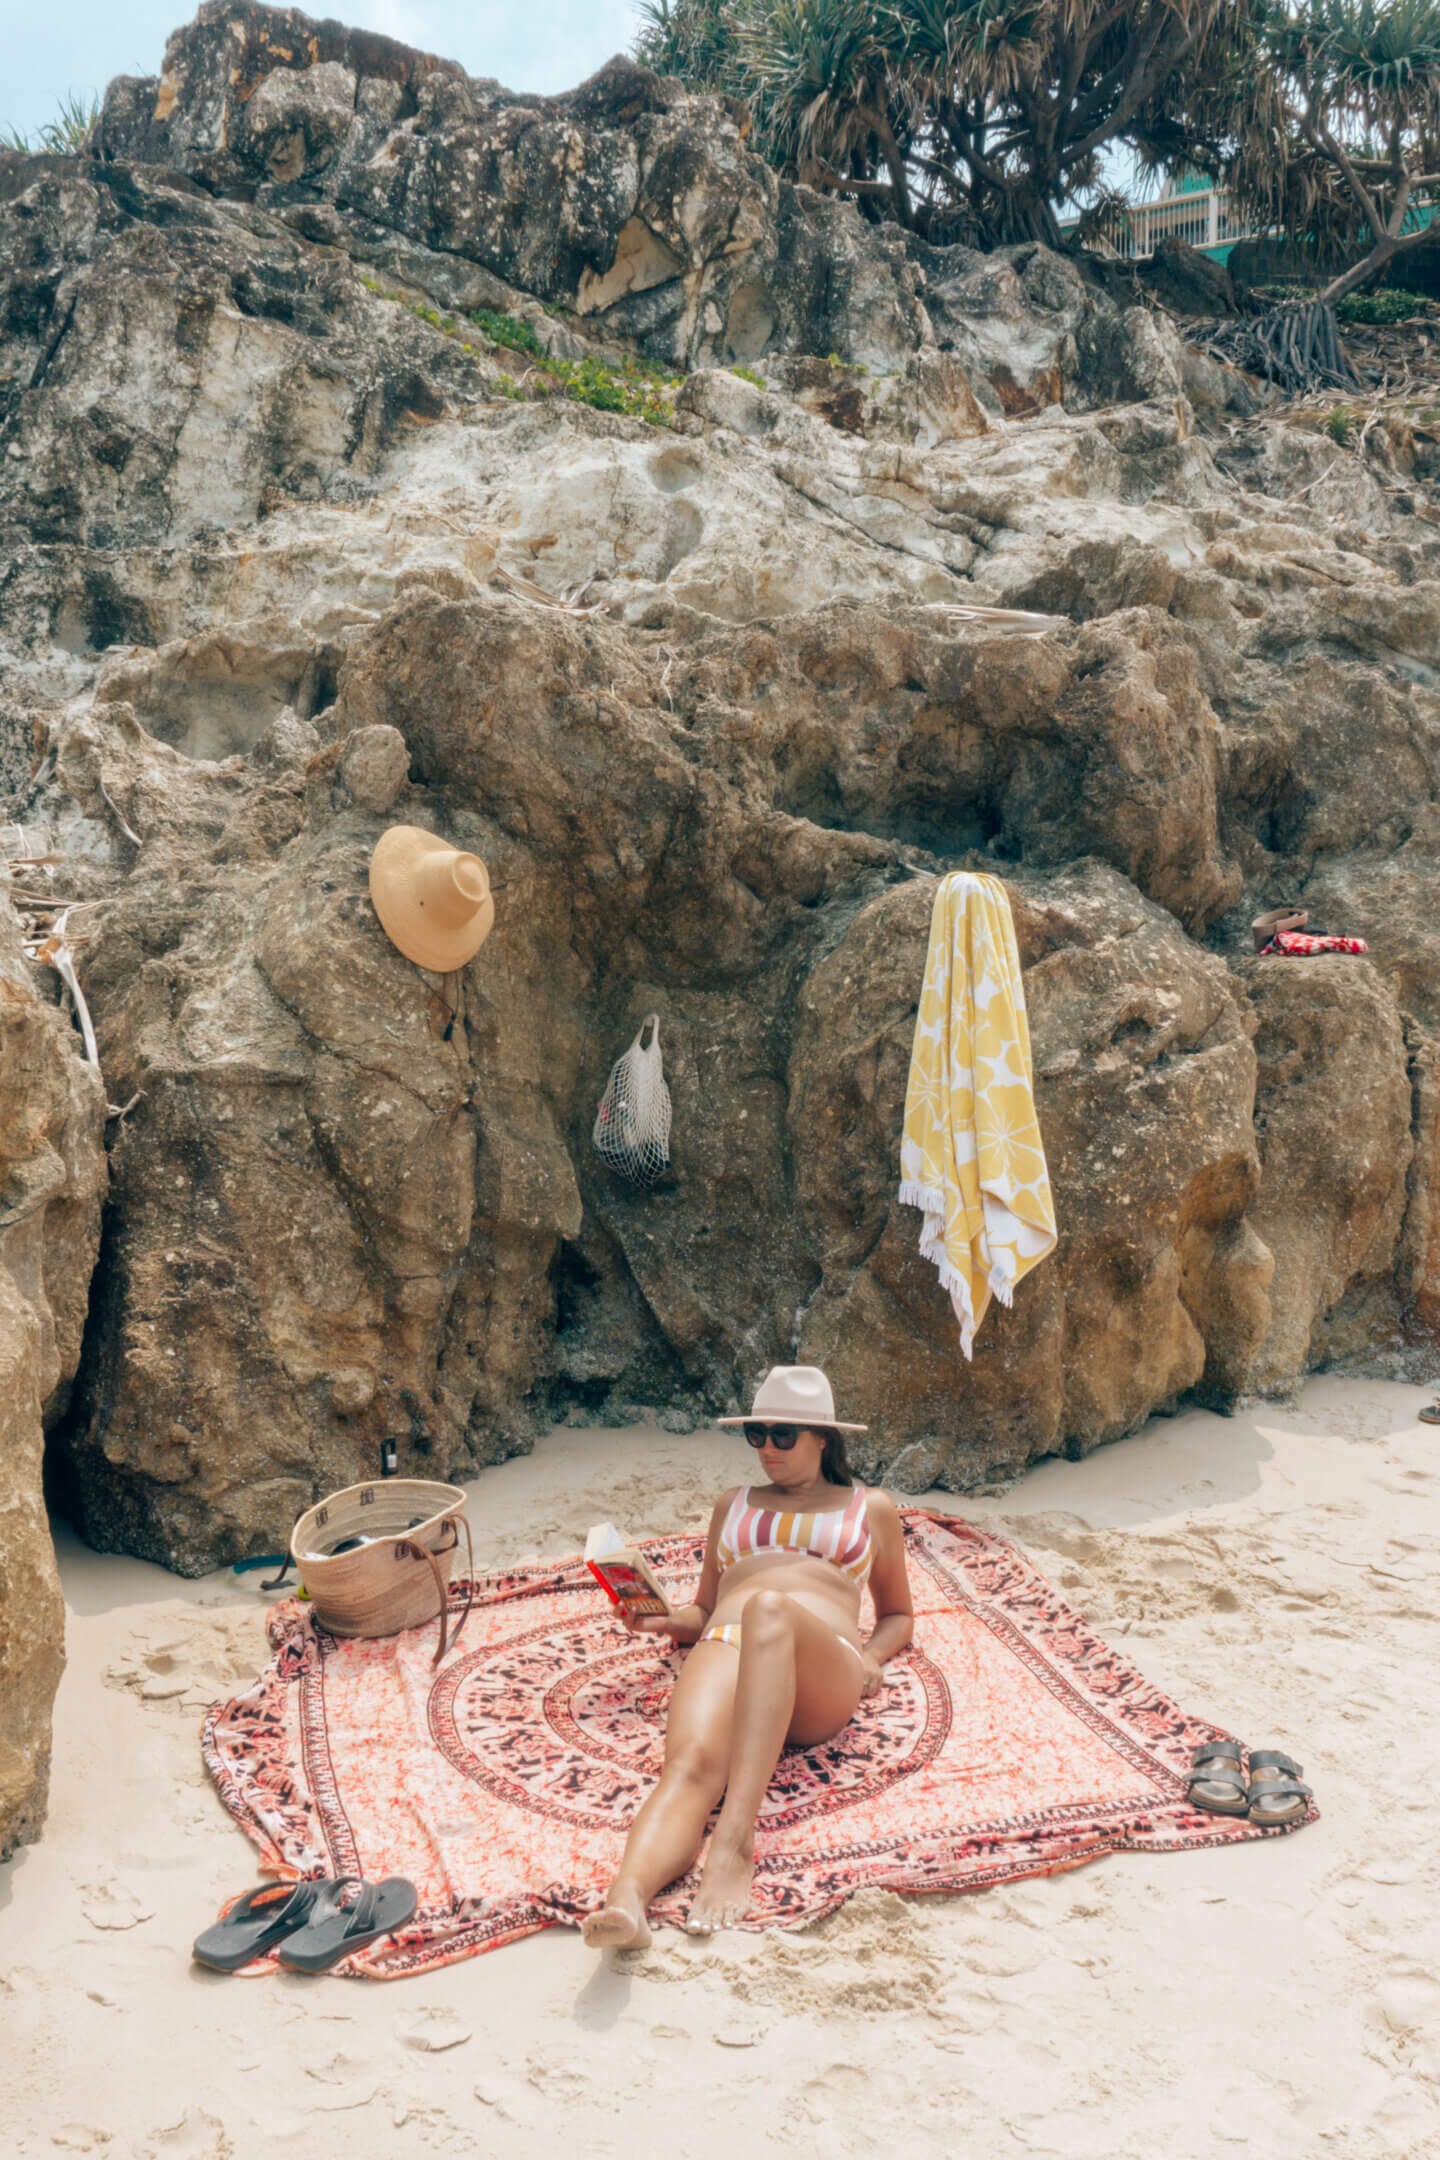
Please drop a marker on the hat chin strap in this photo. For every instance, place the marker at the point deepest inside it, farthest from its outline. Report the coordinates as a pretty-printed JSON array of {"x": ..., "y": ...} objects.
[{"x": 451, "y": 888}]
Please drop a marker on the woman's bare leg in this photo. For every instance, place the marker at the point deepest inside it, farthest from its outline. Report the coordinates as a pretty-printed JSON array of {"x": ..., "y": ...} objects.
[
  {"x": 665, "y": 1835},
  {"x": 797, "y": 1681}
]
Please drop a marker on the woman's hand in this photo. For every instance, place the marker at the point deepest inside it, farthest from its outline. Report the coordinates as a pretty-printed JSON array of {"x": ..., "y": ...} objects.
[
  {"x": 874, "y": 1675},
  {"x": 681, "y": 1627}
]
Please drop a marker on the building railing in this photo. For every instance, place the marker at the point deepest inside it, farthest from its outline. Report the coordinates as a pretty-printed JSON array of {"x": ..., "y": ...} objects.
[{"x": 1203, "y": 219}]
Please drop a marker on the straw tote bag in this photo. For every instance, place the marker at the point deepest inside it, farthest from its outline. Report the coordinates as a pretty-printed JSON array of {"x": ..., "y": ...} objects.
[{"x": 399, "y": 1537}]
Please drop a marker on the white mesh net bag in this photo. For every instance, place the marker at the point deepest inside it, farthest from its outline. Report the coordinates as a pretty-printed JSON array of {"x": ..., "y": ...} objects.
[{"x": 632, "y": 1119}]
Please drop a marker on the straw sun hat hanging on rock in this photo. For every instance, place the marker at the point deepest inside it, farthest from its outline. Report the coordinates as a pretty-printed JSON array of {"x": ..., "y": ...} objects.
[{"x": 433, "y": 900}]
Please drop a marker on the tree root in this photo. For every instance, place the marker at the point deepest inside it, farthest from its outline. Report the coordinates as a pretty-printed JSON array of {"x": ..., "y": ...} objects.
[{"x": 1297, "y": 348}]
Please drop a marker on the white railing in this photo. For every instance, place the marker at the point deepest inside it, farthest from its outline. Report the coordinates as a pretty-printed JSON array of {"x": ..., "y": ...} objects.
[{"x": 1203, "y": 219}]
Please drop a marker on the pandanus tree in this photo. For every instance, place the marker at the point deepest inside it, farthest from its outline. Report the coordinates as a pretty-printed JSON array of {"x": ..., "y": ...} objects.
[
  {"x": 1337, "y": 137},
  {"x": 977, "y": 117}
]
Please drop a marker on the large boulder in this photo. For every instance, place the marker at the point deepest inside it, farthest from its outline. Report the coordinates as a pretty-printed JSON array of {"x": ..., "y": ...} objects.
[
  {"x": 1421, "y": 1272},
  {"x": 1188, "y": 280},
  {"x": 1145, "y": 1079},
  {"x": 1333, "y": 1116},
  {"x": 1036, "y": 331},
  {"x": 52, "y": 1177}
]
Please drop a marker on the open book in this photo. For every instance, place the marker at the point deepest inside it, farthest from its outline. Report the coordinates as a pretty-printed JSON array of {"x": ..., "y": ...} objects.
[{"x": 626, "y": 1578}]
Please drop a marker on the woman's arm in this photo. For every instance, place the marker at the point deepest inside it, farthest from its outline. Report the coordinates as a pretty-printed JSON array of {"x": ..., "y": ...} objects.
[
  {"x": 689, "y": 1622},
  {"x": 889, "y": 1585}
]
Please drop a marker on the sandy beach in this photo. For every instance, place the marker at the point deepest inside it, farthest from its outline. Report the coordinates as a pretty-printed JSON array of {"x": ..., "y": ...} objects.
[{"x": 1274, "y": 1571}]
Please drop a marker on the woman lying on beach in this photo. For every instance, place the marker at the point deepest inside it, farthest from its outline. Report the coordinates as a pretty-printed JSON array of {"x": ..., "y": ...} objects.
[{"x": 777, "y": 1652}]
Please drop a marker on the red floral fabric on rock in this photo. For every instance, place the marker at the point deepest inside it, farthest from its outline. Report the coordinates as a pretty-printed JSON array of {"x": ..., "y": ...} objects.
[
  {"x": 1009, "y": 1740},
  {"x": 1300, "y": 943}
]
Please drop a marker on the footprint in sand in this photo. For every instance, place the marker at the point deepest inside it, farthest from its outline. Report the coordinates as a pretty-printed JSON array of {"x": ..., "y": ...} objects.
[
  {"x": 196, "y": 2136},
  {"x": 869, "y": 1959},
  {"x": 193, "y": 1661},
  {"x": 557, "y": 2082},
  {"x": 338, "y": 2069},
  {"x": 508, "y": 2099},
  {"x": 112, "y": 1906},
  {"x": 434, "y": 2127},
  {"x": 1406, "y": 2005},
  {"x": 348, "y": 2081},
  {"x": 432, "y": 2031},
  {"x": 738, "y": 2033}
]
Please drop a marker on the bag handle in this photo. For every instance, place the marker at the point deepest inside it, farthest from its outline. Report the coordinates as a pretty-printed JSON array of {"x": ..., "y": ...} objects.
[
  {"x": 407, "y": 1549},
  {"x": 651, "y": 1021}
]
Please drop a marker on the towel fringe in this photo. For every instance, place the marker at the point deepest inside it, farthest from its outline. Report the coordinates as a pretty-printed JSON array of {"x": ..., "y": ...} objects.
[{"x": 955, "y": 1282}]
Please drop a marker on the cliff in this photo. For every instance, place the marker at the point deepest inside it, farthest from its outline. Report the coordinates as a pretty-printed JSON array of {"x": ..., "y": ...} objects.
[{"x": 327, "y": 499}]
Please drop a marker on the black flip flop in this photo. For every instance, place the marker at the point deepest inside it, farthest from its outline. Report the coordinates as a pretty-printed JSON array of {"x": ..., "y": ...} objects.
[
  {"x": 340, "y": 1930},
  {"x": 1217, "y": 1779},
  {"x": 259, "y": 1920}
]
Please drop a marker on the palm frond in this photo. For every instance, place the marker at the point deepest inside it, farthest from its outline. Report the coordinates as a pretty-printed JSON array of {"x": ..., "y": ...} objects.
[
  {"x": 815, "y": 71},
  {"x": 64, "y": 136}
]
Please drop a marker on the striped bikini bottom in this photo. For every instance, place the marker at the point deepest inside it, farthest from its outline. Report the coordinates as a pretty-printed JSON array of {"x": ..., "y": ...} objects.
[{"x": 728, "y": 1631}]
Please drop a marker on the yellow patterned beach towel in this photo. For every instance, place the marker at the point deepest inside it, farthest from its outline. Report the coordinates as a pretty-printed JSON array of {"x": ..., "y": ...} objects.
[{"x": 971, "y": 1155}]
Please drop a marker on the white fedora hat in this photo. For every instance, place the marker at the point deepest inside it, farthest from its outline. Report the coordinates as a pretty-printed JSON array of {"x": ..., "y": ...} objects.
[
  {"x": 796, "y": 1395},
  {"x": 433, "y": 900}
]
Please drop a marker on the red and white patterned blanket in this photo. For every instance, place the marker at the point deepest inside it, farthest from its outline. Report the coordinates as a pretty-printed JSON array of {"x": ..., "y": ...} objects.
[{"x": 1009, "y": 1741}]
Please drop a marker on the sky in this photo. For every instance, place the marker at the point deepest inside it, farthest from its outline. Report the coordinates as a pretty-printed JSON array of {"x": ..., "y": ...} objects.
[{"x": 52, "y": 49}]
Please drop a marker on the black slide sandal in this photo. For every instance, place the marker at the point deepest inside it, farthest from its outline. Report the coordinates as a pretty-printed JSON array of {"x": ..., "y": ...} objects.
[
  {"x": 257, "y": 1921},
  {"x": 341, "y": 1930}
]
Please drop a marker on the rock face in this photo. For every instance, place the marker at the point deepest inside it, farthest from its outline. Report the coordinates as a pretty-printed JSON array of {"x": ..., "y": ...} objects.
[
  {"x": 622, "y": 200},
  {"x": 969, "y": 566},
  {"x": 52, "y": 1175},
  {"x": 1333, "y": 1116},
  {"x": 1145, "y": 1078}
]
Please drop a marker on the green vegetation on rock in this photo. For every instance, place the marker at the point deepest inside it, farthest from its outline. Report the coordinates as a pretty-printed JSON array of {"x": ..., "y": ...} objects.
[
  {"x": 507, "y": 330},
  {"x": 64, "y": 136},
  {"x": 631, "y": 386}
]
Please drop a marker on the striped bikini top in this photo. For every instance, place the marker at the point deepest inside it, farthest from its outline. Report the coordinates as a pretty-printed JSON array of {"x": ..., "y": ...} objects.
[{"x": 840, "y": 1535}]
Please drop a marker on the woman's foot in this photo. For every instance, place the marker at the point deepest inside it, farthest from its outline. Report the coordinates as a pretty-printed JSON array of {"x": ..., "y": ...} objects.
[
  {"x": 620, "y": 1923},
  {"x": 723, "y": 1898}
]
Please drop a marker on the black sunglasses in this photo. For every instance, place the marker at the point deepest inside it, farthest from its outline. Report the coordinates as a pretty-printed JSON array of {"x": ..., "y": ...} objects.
[{"x": 780, "y": 1436}]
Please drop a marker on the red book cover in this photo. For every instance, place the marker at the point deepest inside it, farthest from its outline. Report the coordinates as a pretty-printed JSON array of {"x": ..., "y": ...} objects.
[{"x": 623, "y": 1574}]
